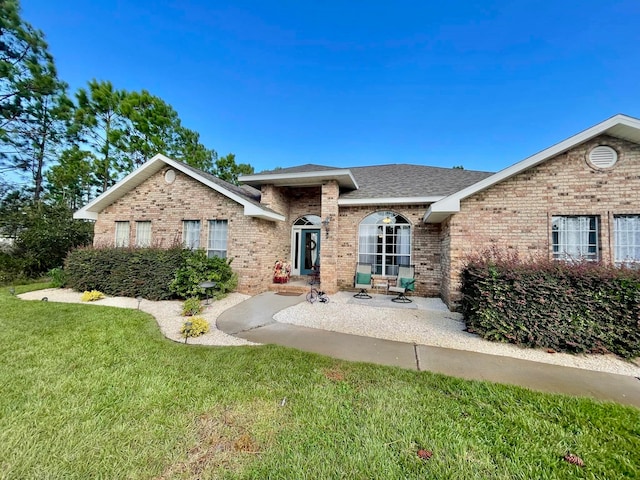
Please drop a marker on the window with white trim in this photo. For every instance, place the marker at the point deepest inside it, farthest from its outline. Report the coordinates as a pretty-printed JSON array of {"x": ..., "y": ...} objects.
[
  {"x": 575, "y": 237},
  {"x": 143, "y": 234},
  {"x": 122, "y": 234},
  {"x": 384, "y": 240},
  {"x": 217, "y": 239},
  {"x": 626, "y": 239},
  {"x": 191, "y": 234}
]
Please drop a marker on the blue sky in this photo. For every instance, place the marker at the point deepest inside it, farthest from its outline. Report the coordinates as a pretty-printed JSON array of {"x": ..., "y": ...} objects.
[{"x": 481, "y": 84}]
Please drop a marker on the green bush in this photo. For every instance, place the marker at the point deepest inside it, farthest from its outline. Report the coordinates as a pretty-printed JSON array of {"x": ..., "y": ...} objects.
[
  {"x": 124, "y": 272},
  {"x": 572, "y": 307},
  {"x": 10, "y": 268},
  {"x": 191, "y": 307},
  {"x": 43, "y": 235},
  {"x": 199, "y": 268},
  {"x": 57, "y": 276},
  {"x": 194, "y": 327},
  {"x": 151, "y": 273}
]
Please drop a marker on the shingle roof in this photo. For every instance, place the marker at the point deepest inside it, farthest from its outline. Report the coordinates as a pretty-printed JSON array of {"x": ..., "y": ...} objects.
[
  {"x": 245, "y": 191},
  {"x": 308, "y": 167},
  {"x": 395, "y": 180},
  {"x": 404, "y": 180}
]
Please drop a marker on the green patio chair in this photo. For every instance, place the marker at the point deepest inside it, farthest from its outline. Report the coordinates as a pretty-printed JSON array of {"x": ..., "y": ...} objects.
[
  {"x": 362, "y": 279},
  {"x": 405, "y": 282}
]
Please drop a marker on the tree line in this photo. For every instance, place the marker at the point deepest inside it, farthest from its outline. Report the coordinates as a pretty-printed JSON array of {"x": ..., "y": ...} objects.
[{"x": 60, "y": 150}]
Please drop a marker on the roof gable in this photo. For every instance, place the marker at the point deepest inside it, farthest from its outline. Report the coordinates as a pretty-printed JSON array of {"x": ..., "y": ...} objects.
[
  {"x": 620, "y": 126},
  {"x": 245, "y": 197}
]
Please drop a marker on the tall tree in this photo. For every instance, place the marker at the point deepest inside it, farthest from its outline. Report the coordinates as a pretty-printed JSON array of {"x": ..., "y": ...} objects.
[
  {"x": 34, "y": 103},
  {"x": 101, "y": 126},
  {"x": 70, "y": 180},
  {"x": 21, "y": 48},
  {"x": 188, "y": 149},
  {"x": 227, "y": 169},
  {"x": 156, "y": 128},
  {"x": 124, "y": 129}
]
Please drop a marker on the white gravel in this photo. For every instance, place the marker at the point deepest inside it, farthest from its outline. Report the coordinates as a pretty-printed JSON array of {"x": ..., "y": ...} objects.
[{"x": 426, "y": 321}]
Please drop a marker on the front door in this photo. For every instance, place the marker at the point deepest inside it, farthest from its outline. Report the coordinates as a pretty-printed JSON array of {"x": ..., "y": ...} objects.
[{"x": 309, "y": 251}]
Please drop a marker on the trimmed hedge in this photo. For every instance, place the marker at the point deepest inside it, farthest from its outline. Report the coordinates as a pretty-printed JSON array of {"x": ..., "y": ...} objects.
[
  {"x": 124, "y": 272},
  {"x": 583, "y": 307}
]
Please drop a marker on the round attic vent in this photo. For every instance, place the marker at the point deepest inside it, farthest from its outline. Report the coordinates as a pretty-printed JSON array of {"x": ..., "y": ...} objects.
[
  {"x": 170, "y": 176},
  {"x": 603, "y": 157}
]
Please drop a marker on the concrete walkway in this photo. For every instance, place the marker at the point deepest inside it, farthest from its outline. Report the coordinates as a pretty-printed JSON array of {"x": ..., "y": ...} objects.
[{"x": 253, "y": 320}]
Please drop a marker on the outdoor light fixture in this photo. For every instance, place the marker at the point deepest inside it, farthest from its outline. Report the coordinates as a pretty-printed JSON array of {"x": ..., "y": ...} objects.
[
  {"x": 139, "y": 299},
  {"x": 386, "y": 220},
  {"x": 325, "y": 224},
  {"x": 187, "y": 330}
]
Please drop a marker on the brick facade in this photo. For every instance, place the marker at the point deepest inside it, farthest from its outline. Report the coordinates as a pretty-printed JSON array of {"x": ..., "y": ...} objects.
[
  {"x": 256, "y": 244},
  {"x": 251, "y": 241},
  {"x": 425, "y": 252},
  {"x": 516, "y": 213}
]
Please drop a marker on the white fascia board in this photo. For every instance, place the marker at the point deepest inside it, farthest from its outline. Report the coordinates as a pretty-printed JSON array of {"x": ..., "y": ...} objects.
[
  {"x": 251, "y": 210},
  {"x": 451, "y": 204},
  {"x": 302, "y": 178},
  {"x": 82, "y": 214},
  {"x": 388, "y": 201}
]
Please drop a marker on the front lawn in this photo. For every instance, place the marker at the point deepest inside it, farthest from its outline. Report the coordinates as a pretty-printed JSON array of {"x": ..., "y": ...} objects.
[{"x": 98, "y": 392}]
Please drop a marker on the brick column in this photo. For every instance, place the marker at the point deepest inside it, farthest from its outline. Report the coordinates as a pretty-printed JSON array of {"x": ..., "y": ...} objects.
[{"x": 329, "y": 243}]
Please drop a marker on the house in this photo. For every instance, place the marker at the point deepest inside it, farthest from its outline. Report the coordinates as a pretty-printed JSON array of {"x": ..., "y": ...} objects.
[{"x": 578, "y": 198}]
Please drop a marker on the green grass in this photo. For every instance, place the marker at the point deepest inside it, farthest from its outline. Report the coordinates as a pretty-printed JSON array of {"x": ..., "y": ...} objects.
[{"x": 98, "y": 392}]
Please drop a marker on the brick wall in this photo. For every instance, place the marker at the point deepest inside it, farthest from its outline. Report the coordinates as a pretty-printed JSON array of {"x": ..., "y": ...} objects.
[
  {"x": 167, "y": 205},
  {"x": 516, "y": 214},
  {"x": 329, "y": 245},
  {"x": 425, "y": 247}
]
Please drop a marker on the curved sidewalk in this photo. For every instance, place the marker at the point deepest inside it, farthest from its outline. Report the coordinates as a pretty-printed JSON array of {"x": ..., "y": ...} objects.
[{"x": 253, "y": 320}]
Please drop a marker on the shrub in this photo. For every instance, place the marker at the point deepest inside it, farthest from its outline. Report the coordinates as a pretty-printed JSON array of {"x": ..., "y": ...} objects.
[
  {"x": 191, "y": 307},
  {"x": 57, "y": 276},
  {"x": 199, "y": 268},
  {"x": 124, "y": 272},
  {"x": 44, "y": 235},
  {"x": 573, "y": 307},
  {"x": 194, "y": 327},
  {"x": 10, "y": 268},
  {"x": 152, "y": 273},
  {"x": 91, "y": 296}
]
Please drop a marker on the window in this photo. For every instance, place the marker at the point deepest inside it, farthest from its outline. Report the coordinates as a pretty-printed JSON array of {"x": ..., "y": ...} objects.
[
  {"x": 575, "y": 238},
  {"x": 385, "y": 242},
  {"x": 122, "y": 234},
  {"x": 143, "y": 234},
  {"x": 191, "y": 234},
  {"x": 217, "y": 239},
  {"x": 626, "y": 238}
]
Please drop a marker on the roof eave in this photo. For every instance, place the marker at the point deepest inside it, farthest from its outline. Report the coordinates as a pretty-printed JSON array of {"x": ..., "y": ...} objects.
[
  {"x": 344, "y": 177},
  {"x": 254, "y": 211},
  {"x": 348, "y": 202}
]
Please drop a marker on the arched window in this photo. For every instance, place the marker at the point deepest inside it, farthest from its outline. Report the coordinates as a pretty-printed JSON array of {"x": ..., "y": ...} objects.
[
  {"x": 385, "y": 242},
  {"x": 308, "y": 220}
]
